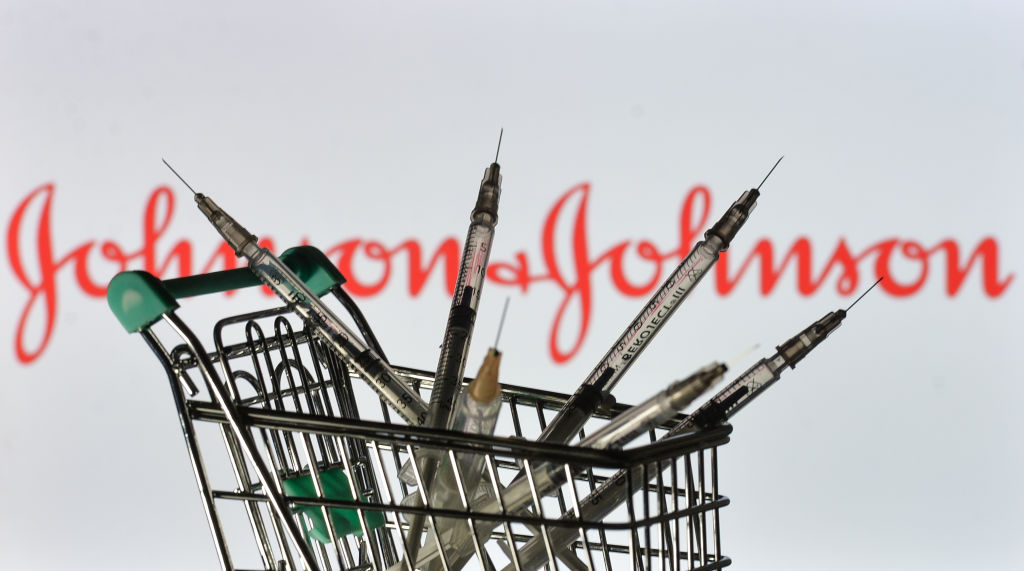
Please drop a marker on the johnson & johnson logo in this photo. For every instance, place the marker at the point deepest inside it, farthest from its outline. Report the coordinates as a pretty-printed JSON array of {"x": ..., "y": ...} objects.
[{"x": 846, "y": 267}]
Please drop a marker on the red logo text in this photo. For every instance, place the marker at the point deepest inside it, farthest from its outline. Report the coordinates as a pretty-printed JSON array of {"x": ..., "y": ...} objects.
[{"x": 37, "y": 263}]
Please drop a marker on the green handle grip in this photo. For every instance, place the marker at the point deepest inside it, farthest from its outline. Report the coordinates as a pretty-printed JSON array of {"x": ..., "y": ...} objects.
[
  {"x": 336, "y": 487},
  {"x": 139, "y": 299}
]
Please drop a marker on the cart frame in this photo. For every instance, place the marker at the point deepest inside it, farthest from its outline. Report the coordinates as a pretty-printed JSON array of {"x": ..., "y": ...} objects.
[{"x": 287, "y": 412}]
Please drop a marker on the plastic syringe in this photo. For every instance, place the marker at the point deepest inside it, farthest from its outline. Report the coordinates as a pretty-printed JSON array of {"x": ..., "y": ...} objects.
[
  {"x": 753, "y": 382},
  {"x": 595, "y": 388},
  {"x": 290, "y": 288},
  {"x": 462, "y": 315}
]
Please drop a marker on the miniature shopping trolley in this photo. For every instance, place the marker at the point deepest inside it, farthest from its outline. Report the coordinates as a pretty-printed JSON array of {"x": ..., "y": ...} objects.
[{"x": 298, "y": 462}]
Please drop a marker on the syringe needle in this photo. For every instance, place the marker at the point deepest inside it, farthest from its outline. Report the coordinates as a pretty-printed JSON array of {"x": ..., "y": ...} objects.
[
  {"x": 501, "y": 322},
  {"x": 771, "y": 171},
  {"x": 500, "y": 133},
  {"x": 179, "y": 176},
  {"x": 865, "y": 293}
]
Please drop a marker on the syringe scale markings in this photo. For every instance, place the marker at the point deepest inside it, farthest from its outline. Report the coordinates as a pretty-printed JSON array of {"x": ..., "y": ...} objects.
[{"x": 650, "y": 321}]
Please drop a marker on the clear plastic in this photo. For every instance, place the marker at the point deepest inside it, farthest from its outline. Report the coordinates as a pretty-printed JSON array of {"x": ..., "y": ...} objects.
[
  {"x": 762, "y": 375},
  {"x": 459, "y": 332},
  {"x": 472, "y": 270},
  {"x": 637, "y": 336},
  {"x": 370, "y": 366}
]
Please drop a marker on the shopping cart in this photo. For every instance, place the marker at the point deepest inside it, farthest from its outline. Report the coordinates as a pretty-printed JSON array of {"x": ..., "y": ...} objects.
[{"x": 310, "y": 477}]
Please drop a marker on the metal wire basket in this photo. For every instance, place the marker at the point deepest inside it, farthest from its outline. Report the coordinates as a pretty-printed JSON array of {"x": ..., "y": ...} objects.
[{"x": 298, "y": 462}]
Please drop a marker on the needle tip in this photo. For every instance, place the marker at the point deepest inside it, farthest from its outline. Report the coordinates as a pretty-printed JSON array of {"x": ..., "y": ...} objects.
[
  {"x": 179, "y": 176},
  {"x": 500, "y": 133},
  {"x": 770, "y": 172},
  {"x": 878, "y": 281},
  {"x": 501, "y": 322}
]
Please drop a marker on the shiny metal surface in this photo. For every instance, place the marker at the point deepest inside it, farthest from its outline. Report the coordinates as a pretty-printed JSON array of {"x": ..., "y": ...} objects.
[{"x": 282, "y": 405}]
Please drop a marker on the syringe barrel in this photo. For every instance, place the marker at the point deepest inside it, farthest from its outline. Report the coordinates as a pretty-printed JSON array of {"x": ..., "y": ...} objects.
[
  {"x": 547, "y": 476},
  {"x": 741, "y": 391},
  {"x": 452, "y": 362},
  {"x": 458, "y": 333},
  {"x": 576, "y": 412},
  {"x": 649, "y": 414},
  {"x": 374, "y": 370},
  {"x": 635, "y": 338},
  {"x": 472, "y": 417},
  {"x": 462, "y": 315}
]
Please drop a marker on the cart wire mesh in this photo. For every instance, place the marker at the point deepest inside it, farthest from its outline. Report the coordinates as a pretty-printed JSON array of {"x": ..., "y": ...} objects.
[{"x": 298, "y": 466}]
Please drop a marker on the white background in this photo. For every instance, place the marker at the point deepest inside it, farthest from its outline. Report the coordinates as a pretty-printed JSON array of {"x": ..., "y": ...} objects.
[{"x": 895, "y": 445}]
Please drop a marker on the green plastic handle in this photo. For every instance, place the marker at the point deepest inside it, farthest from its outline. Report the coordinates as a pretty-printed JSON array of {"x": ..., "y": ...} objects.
[
  {"x": 139, "y": 299},
  {"x": 336, "y": 487}
]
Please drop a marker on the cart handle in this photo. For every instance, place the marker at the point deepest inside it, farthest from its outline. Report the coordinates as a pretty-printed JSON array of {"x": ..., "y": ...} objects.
[{"x": 139, "y": 299}]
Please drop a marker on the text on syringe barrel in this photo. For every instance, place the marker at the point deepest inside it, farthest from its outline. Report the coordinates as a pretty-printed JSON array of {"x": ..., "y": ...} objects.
[
  {"x": 633, "y": 340},
  {"x": 736, "y": 395},
  {"x": 664, "y": 302},
  {"x": 339, "y": 337}
]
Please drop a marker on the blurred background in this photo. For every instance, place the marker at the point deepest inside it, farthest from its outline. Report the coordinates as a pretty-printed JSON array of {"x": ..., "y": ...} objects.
[{"x": 364, "y": 128}]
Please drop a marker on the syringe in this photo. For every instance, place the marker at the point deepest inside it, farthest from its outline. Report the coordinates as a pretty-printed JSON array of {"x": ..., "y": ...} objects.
[
  {"x": 593, "y": 391},
  {"x": 290, "y": 288},
  {"x": 754, "y": 381}
]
